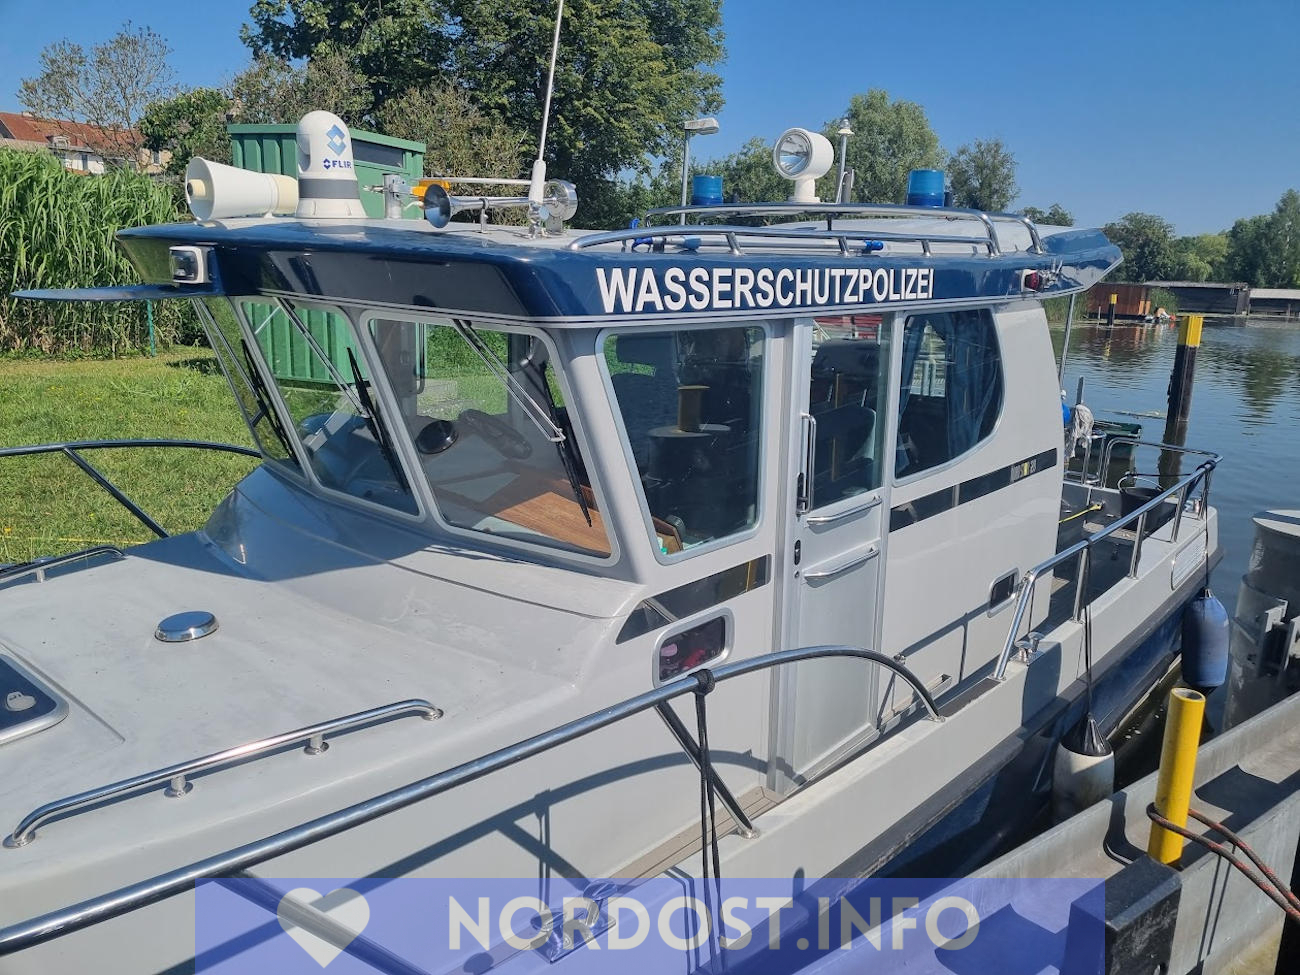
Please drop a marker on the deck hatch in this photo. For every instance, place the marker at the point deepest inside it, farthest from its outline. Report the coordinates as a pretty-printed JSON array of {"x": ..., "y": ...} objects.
[{"x": 26, "y": 704}]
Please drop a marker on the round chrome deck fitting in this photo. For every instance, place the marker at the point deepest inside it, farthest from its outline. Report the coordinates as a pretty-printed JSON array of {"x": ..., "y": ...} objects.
[{"x": 183, "y": 627}]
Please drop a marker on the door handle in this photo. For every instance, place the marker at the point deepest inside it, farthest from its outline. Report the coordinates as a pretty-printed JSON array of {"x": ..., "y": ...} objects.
[
  {"x": 844, "y": 567},
  {"x": 842, "y": 515},
  {"x": 808, "y": 462}
]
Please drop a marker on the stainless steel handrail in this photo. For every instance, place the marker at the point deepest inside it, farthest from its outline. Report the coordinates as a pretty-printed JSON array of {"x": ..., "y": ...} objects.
[
  {"x": 53, "y": 448},
  {"x": 1030, "y": 579},
  {"x": 1134, "y": 441},
  {"x": 177, "y": 775},
  {"x": 143, "y": 893},
  {"x": 864, "y": 210},
  {"x": 40, "y": 566},
  {"x": 70, "y": 450},
  {"x": 732, "y": 235}
]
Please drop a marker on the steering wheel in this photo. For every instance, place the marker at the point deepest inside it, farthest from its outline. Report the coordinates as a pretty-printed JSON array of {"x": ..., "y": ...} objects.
[{"x": 499, "y": 435}]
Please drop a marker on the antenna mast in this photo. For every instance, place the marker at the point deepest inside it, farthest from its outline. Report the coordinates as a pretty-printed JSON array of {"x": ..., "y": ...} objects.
[{"x": 536, "y": 192}]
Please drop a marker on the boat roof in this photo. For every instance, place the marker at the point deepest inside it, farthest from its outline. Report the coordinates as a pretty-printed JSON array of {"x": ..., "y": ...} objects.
[{"x": 860, "y": 259}]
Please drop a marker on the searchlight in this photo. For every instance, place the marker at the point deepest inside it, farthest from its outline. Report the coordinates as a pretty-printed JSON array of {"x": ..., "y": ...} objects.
[{"x": 804, "y": 157}]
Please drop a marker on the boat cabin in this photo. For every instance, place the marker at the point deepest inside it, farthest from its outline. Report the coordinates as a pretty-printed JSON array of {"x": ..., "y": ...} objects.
[{"x": 772, "y": 433}]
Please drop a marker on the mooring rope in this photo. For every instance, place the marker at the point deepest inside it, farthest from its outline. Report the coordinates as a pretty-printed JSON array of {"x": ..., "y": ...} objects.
[
  {"x": 704, "y": 684},
  {"x": 1266, "y": 880}
]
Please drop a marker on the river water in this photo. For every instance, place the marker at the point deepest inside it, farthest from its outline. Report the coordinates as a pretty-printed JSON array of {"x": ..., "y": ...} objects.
[{"x": 1245, "y": 406}]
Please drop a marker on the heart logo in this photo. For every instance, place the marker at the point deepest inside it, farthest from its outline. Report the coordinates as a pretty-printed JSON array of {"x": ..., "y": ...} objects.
[{"x": 343, "y": 905}]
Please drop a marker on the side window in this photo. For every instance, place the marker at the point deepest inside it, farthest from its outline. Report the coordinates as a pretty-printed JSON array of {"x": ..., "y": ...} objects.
[
  {"x": 847, "y": 399},
  {"x": 691, "y": 403},
  {"x": 951, "y": 391}
]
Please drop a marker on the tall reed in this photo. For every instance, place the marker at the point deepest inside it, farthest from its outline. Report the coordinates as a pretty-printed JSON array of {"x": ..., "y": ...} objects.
[{"x": 56, "y": 231}]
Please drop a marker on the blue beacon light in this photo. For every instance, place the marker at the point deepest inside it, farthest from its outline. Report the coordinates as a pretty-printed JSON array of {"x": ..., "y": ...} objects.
[{"x": 925, "y": 188}]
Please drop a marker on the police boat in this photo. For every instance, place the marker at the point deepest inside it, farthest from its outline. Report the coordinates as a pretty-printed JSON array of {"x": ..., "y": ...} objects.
[{"x": 553, "y": 528}]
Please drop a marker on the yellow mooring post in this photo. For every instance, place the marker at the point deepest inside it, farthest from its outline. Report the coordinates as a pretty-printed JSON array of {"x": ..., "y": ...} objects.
[
  {"x": 1180, "y": 380},
  {"x": 1177, "y": 771}
]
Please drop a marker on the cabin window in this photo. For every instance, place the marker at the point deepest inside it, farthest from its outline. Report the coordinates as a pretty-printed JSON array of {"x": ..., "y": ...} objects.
[
  {"x": 321, "y": 375},
  {"x": 847, "y": 400},
  {"x": 237, "y": 362},
  {"x": 951, "y": 392},
  {"x": 691, "y": 405},
  {"x": 486, "y": 414}
]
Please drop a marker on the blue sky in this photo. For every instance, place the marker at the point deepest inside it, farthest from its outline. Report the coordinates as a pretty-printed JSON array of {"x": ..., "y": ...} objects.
[{"x": 1186, "y": 108}]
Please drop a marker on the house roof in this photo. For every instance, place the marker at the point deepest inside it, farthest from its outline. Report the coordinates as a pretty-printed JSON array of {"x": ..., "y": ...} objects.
[
  {"x": 26, "y": 128},
  {"x": 1221, "y": 285},
  {"x": 1278, "y": 294}
]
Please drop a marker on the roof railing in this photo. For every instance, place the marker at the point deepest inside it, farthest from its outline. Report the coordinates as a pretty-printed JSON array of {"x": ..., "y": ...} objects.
[
  {"x": 862, "y": 210},
  {"x": 731, "y": 237}
]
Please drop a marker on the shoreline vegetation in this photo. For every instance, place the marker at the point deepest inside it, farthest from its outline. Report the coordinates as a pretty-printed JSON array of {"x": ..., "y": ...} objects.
[{"x": 49, "y": 507}]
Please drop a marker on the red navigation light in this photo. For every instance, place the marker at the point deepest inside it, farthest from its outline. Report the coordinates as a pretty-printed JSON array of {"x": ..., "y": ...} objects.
[{"x": 1031, "y": 281}]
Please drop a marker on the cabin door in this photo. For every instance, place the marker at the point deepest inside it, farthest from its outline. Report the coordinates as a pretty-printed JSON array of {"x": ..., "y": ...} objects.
[{"x": 834, "y": 564}]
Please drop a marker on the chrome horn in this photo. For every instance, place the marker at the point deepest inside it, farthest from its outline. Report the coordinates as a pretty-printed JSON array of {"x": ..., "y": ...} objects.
[{"x": 560, "y": 202}]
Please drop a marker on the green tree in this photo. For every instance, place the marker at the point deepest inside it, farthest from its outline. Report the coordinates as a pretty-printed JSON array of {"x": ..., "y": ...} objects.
[
  {"x": 190, "y": 124},
  {"x": 1264, "y": 251},
  {"x": 395, "y": 44},
  {"x": 272, "y": 89},
  {"x": 1147, "y": 242},
  {"x": 460, "y": 139},
  {"x": 269, "y": 90},
  {"x": 629, "y": 73},
  {"x": 1284, "y": 234},
  {"x": 983, "y": 175},
  {"x": 1200, "y": 258},
  {"x": 106, "y": 88},
  {"x": 1054, "y": 216},
  {"x": 890, "y": 139},
  {"x": 1248, "y": 251}
]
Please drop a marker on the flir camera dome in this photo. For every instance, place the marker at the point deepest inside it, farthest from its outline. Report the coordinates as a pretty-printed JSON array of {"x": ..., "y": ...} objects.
[{"x": 804, "y": 157}]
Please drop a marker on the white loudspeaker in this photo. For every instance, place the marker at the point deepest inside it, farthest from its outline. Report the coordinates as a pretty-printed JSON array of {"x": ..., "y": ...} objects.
[
  {"x": 216, "y": 192},
  {"x": 327, "y": 181}
]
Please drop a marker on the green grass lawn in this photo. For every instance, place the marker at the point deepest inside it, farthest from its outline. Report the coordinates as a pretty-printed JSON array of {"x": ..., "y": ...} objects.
[{"x": 48, "y": 506}]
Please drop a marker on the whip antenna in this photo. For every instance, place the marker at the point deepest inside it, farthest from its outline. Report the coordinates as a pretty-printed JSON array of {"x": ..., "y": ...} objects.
[{"x": 536, "y": 193}]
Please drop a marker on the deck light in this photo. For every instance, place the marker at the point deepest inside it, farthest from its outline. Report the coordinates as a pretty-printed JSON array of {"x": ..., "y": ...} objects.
[{"x": 803, "y": 156}]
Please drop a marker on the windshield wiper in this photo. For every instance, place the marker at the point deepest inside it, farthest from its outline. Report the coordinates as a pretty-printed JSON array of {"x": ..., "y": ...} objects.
[
  {"x": 370, "y": 414},
  {"x": 564, "y": 446},
  {"x": 263, "y": 398},
  {"x": 518, "y": 394}
]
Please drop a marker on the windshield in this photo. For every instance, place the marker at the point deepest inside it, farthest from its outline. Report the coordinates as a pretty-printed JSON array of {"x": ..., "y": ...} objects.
[
  {"x": 321, "y": 375},
  {"x": 486, "y": 414}
]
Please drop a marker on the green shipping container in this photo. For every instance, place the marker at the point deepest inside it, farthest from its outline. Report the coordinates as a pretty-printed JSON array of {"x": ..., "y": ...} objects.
[{"x": 274, "y": 149}]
